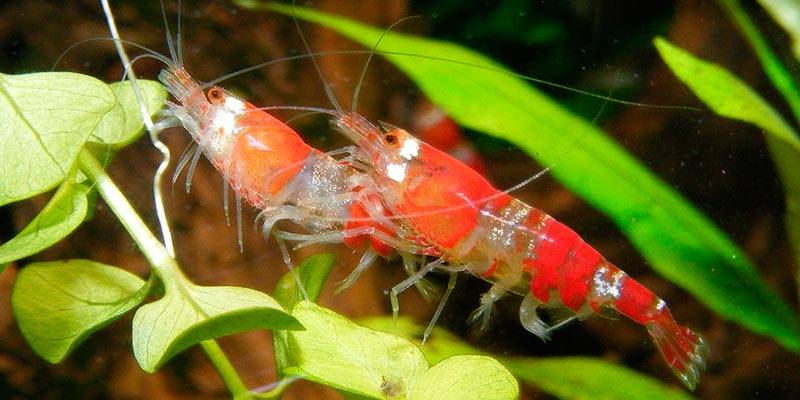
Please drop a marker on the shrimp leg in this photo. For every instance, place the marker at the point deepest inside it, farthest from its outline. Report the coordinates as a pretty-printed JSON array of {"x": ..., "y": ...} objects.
[
  {"x": 425, "y": 288},
  {"x": 408, "y": 282},
  {"x": 366, "y": 261},
  {"x": 451, "y": 284},
  {"x": 498, "y": 290},
  {"x": 287, "y": 259}
]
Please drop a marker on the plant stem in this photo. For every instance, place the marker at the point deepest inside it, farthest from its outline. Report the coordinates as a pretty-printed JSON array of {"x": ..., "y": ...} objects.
[
  {"x": 164, "y": 266},
  {"x": 780, "y": 77},
  {"x": 225, "y": 369}
]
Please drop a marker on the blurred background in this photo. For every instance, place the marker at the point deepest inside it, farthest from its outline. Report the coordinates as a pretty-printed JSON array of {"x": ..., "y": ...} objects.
[{"x": 604, "y": 47}]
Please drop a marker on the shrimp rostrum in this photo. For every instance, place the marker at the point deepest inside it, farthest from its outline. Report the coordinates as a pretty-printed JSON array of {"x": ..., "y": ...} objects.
[{"x": 475, "y": 227}]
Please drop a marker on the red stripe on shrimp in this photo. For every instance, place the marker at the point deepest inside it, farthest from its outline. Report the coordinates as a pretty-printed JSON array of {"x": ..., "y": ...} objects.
[
  {"x": 577, "y": 275},
  {"x": 551, "y": 252}
]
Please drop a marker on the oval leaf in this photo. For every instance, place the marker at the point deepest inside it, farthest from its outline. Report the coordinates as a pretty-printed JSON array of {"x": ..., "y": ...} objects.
[
  {"x": 62, "y": 215},
  {"x": 676, "y": 239},
  {"x": 191, "y": 314},
  {"x": 466, "y": 378},
  {"x": 576, "y": 378},
  {"x": 338, "y": 353},
  {"x": 311, "y": 273},
  {"x": 59, "y": 304},
  {"x": 123, "y": 124},
  {"x": 45, "y": 118}
]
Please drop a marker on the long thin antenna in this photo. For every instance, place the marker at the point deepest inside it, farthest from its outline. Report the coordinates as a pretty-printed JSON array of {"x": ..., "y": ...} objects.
[
  {"x": 166, "y": 233},
  {"x": 178, "y": 41},
  {"x": 450, "y": 61},
  {"x": 328, "y": 89},
  {"x": 357, "y": 90},
  {"x": 170, "y": 43},
  {"x": 498, "y": 70}
]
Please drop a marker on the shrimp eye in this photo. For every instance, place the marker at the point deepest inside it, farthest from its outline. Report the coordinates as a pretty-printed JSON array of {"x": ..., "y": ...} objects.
[
  {"x": 390, "y": 139},
  {"x": 216, "y": 95}
]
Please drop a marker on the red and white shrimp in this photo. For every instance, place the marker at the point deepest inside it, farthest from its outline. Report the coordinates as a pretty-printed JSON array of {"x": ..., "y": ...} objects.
[{"x": 477, "y": 228}]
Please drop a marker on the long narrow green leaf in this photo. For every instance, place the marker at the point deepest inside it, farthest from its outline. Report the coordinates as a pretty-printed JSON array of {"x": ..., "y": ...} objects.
[
  {"x": 777, "y": 73},
  {"x": 311, "y": 273},
  {"x": 728, "y": 96},
  {"x": 787, "y": 14},
  {"x": 679, "y": 241}
]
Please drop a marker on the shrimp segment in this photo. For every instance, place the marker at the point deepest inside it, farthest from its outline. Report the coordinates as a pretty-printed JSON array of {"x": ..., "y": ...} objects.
[{"x": 518, "y": 247}]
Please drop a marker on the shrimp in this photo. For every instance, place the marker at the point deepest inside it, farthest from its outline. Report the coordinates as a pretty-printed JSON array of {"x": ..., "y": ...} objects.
[{"x": 475, "y": 227}]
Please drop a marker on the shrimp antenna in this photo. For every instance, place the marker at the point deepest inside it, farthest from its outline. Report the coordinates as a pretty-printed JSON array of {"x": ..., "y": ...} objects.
[
  {"x": 372, "y": 51},
  {"x": 170, "y": 42},
  {"x": 178, "y": 40},
  {"x": 450, "y": 61},
  {"x": 328, "y": 89},
  {"x": 317, "y": 110},
  {"x": 156, "y": 55}
]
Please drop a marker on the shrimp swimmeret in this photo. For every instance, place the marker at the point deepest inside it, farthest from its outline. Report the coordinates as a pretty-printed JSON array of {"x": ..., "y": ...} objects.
[{"x": 477, "y": 228}]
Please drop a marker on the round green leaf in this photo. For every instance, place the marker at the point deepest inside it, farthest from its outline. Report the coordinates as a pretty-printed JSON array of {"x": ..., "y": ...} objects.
[
  {"x": 191, "y": 314},
  {"x": 45, "y": 118},
  {"x": 123, "y": 124},
  {"x": 59, "y": 304},
  {"x": 311, "y": 273},
  {"x": 439, "y": 346},
  {"x": 339, "y": 353},
  {"x": 62, "y": 214},
  {"x": 466, "y": 378}
]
